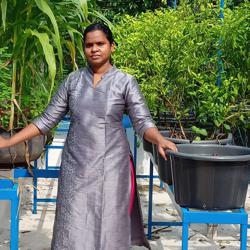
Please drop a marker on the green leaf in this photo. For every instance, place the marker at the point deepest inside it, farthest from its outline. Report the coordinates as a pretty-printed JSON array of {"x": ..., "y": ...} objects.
[
  {"x": 197, "y": 138},
  {"x": 84, "y": 7},
  {"x": 44, "y": 7},
  {"x": 49, "y": 56},
  {"x": 4, "y": 10},
  {"x": 200, "y": 131},
  {"x": 217, "y": 124},
  {"x": 79, "y": 46},
  {"x": 103, "y": 18},
  {"x": 242, "y": 118},
  {"x": 227, "y": 127},
  {"x": 72, "y": 53}
]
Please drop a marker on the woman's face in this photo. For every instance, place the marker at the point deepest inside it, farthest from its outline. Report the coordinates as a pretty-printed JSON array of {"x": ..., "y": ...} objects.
[{"x": 97, "y": 48}]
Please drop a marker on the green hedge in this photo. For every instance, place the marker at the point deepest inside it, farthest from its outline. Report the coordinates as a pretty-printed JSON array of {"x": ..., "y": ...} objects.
[{"x": 174, "y": 56}]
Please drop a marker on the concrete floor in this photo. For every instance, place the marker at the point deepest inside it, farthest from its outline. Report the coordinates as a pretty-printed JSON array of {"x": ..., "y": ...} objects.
[{"x": 36, "y": 229}]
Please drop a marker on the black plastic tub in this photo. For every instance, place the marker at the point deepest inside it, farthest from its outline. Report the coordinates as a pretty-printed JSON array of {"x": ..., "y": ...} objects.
[
  {"x": 164, "y": 167},
  {"x": 147, "y": 146},
  {"x": 210, "y": 177}
]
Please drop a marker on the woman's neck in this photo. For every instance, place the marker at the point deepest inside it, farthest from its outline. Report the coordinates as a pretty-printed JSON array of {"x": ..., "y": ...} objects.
[{"x": 101, "y": 69}]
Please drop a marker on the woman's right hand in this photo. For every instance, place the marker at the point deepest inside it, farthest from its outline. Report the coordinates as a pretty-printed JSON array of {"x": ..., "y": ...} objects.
[
  {"x": 26, "y": 133},
  {"x": 4, "y": 143}
]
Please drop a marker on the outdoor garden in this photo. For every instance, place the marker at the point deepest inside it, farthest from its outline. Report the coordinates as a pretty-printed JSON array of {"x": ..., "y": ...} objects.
[{"x": 191, "y": 59}]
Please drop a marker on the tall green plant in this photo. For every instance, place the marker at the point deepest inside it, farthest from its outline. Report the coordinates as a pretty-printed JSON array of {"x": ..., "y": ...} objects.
[
  {"x": 43, "y": 38},
  {"x": 5, "y": 89}
]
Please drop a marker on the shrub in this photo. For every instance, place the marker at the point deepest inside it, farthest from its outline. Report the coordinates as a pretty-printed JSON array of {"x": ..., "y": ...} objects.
[{"x": 174, "y": 55}]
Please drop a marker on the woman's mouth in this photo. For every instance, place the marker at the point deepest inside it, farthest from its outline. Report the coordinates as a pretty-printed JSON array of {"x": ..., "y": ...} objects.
[{"x": 95, "y": 57}]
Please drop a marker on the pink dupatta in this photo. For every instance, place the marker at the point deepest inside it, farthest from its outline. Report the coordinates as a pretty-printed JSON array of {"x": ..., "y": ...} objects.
[{"x": 132, "y": 192}]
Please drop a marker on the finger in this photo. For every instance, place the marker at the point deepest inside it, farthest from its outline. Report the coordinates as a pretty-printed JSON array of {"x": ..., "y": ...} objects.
[
  {"x": 162, "y": 153},
  {"x": 173, "y": 147}
]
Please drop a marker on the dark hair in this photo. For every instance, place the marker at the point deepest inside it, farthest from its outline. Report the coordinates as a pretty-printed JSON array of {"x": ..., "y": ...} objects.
[{"x": 99, "y": 26}]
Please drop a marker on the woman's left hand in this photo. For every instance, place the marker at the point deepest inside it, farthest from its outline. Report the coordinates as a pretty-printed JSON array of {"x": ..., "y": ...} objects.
[{"x": 164, "y": 145}]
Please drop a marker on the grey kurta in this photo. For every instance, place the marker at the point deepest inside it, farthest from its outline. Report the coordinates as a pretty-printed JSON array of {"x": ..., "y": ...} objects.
[{"x": 94, "y": 183}]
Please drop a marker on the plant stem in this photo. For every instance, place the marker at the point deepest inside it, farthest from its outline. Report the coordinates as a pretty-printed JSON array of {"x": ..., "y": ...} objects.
[
  {"x": 21, "y": 81},
  {"x": 172, "y": 108},
  {"x": 235, "y": 115},
  {"x": 13, "y": 85}
]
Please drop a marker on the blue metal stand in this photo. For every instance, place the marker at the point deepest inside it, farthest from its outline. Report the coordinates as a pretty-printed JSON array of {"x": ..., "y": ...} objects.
[
  {"x": 9, "y": 191},
  {"x": 135, "y": 163},
  {"x": 50, "y": 171},
  {"x": 152, "y": 223},
  {"x": 63, "y": 125},
  {"x": 238, "y": 216},
  {"x": 38, "y": 173}
]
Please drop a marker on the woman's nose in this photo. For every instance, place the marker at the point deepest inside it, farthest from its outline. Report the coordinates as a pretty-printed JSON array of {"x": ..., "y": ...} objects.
[{"x": 95, "y": 48}]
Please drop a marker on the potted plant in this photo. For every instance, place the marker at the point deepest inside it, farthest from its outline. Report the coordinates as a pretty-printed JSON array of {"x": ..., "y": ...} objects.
[
  {"x": 40, "y": 42},
  {"x": 174, "y": 55},
  {"x": 235, "y": 53}
]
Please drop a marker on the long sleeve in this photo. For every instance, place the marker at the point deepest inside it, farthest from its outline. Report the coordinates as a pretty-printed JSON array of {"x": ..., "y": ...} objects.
[
  {"x": 137, "y": 108},
  {"x": 56, "y": 109}
]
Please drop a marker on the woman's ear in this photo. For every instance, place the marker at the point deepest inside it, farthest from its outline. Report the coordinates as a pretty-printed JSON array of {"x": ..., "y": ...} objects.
[{"x": 112, "y": 47}]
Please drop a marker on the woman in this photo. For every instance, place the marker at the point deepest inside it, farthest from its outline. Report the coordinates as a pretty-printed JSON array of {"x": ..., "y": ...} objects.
[{"x": 94, "y": 183}]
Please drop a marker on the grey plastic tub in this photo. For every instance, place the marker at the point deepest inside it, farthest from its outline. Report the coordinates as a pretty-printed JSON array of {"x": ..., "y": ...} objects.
[
  {"x": 211, "y": 177},
  {"x": 224, "y": 141},
  {"x": 163, "y": 166}
]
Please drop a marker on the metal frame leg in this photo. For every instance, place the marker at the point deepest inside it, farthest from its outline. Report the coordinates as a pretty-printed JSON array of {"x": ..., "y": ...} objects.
[
  {"x": 47, "y": 157},
  {"x": 185, "y": 236},
  {"x": 35, "y": 189},
  {"x": 243, "y": 229},
  {"x": 243, "y": 236},
  {"x": 14, "y": 231}
]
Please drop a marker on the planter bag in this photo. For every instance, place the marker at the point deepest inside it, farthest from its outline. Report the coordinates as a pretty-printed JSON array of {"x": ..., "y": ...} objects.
[{"x": 19, "y": 154}]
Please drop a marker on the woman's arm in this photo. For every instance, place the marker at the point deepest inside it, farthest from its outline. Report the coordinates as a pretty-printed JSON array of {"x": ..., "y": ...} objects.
[
  {"x": 54, "y": 112},
  {"x": 142, "y": 120},
  {"x": 153, "y": 135},
  {"x": 26, "y": 133}
]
